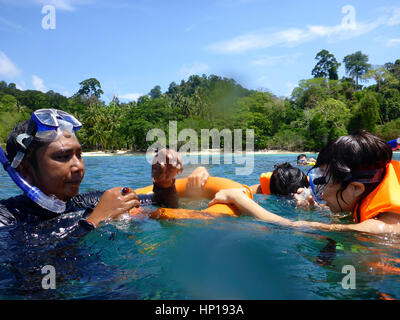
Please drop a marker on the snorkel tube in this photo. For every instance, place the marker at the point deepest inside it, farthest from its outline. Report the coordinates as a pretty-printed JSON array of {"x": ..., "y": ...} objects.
[
  {"x": 314, "y": 174},
  {"x": 50, "y": 203}
]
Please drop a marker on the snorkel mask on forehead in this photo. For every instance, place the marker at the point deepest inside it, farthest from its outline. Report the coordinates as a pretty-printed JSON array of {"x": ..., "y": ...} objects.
[
  {"x": 320, "y": 178},
  {"x": 49, "y": 124},
  {"x": 45, "y": 125}
]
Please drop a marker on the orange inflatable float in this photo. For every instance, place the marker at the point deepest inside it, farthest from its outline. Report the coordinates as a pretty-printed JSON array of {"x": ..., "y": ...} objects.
[{"x": 212, "y": 186}]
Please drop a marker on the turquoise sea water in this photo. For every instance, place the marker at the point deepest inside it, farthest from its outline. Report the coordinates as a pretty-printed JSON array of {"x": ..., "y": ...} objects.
[{"x": 226, "y": 258}]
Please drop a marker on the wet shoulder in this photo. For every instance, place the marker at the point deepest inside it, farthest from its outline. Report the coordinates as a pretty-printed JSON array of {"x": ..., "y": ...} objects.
[{"x": 13, "y": 208}]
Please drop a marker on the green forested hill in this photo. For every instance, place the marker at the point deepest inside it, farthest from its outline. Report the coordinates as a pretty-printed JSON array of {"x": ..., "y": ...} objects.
[{"x": 319, "y": 109}]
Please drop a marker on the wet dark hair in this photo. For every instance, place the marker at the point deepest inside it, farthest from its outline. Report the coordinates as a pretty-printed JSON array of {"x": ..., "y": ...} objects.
[
  {"x": 346, "y": 155},
  {"x": 286, "y": 179},
  {"x": 13, "y": 146}
]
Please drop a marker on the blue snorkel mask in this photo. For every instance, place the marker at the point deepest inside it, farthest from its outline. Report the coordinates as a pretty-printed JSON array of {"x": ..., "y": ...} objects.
[
  {"x": 320, "y": 178},
  {"x": 45, "y": 125}
]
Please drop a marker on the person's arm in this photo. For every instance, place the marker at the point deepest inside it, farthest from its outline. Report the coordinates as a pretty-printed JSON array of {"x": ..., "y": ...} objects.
[
  {"x": 198, "y": 178},
  {"x": 166, "y": 165},
  {"x": 251, "y": 208},
  {"x": 256, "y": 189},
  {"x": 112, "y": 204}
]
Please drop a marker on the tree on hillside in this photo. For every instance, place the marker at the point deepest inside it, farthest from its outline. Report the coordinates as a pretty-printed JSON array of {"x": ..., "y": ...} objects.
[
  {"x": 8, "y": 103},
  {"x": 172, "y": 89},
  {"x": 366, "y": 113},
  {"x": 12, "y": 86},
  {"x": 88, "y": 94},
  {"x": 394, "y": 68},
  {"x": 379, "y": 74},
  {"x": 327, "y": 66},
  {"x": 90, "y": 87},
  {"x": 155, "y": 93},
  {"x": 356, "y": 65},
  {"x": 3, "y": 85},
  {"x": 327, "y": 121}
]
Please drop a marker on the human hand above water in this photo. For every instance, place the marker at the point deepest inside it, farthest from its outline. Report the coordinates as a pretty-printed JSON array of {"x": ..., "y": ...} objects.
[
  {"x": 113, "y": 203},
  {"x": 166, "y": 165},
  {"x": 198, "y": 178},
  {"x": 304, "y": 200},
  {"x": 229, "y": 196}
]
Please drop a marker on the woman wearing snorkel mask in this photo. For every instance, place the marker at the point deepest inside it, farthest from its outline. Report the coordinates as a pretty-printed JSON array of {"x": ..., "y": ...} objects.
[
  {"x": 44, "y": 159},
  {"x": 353, "y": 173}
]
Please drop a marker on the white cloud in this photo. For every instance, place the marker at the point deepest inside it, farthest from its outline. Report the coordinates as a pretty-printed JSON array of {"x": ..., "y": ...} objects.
[
  {"x": 7, "y": 67},
  {"x": 234, "y": 3},
  {"x": 195, "y": 68},
  {"x": 347, "y": 29},
  {"x": 38, "y": 83},
  {"x": 393, "y": 42},
  {"x": 269, "y": 61},
  {"x": 131, "y": 96},
  {"x": 395, "y": 19},
  {"x": 66, "y": 5},
  {"x": 11, "y": 24},
  {"x": 63, "y": 5}
]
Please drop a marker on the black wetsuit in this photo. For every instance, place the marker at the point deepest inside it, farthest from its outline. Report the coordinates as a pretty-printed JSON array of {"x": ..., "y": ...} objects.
[
  {"x": 21, "y": 210},
  {"x": 32, "y": 237}
]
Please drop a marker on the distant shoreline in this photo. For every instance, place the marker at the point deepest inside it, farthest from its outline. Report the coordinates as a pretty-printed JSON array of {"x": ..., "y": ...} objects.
[
  {"x": 198, "y": 153},
  {"x": 204, "y": 152}
]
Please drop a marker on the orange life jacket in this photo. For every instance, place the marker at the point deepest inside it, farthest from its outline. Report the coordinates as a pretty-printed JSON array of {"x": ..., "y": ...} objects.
[
  {"x": 265, "y": 179},
  {"x": 265, "y": 182},
  {"x": 384, "y": 198}
]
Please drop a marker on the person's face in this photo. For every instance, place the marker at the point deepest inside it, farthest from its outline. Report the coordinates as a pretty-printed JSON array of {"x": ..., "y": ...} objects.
[
  {"x": 344, "y": 201},
  {"x": 60, "y": 167},
  {"x": 302, "y": 160}
]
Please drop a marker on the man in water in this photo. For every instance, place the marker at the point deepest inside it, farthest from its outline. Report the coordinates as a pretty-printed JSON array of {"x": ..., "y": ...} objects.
[{"x": 49, "y": 157}]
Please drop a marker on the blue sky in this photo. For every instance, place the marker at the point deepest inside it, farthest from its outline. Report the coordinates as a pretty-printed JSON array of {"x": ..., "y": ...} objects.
[{"x": 131, "y": 46}]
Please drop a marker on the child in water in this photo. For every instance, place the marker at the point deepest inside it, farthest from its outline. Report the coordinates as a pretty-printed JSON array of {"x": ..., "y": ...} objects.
[
  {"x": 354, "y": 173},
  {"x": 284, "y": 180},
  {"x": 303, "y": 161}
]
